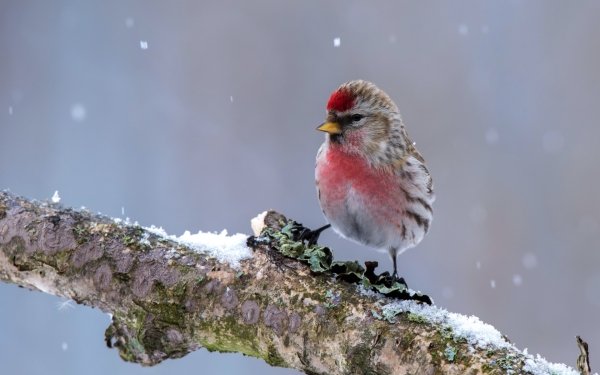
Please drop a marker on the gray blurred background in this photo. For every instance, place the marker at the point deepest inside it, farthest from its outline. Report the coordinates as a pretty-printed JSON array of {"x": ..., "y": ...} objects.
[{"x": 195, "y": 115}]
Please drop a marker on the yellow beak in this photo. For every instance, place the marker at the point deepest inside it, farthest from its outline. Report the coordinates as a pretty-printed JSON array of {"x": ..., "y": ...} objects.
[{"x": 330, "y": 127}]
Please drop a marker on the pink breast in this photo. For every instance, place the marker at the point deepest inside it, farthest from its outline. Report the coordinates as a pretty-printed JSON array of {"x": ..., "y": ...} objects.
[{"x": 378, "y": 190}]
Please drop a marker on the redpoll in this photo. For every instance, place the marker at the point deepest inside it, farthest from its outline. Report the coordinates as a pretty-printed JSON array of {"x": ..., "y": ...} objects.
[{"x": 372, "y": 183}]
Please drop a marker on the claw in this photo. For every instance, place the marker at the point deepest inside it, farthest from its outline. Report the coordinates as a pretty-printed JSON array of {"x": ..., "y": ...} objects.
[{"x": 312, "y": 236}]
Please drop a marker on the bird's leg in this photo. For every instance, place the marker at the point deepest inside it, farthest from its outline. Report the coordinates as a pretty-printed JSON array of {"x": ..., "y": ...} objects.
[
  {"x": 393, "y": 254},
  {"x": 312, "y": 236}
]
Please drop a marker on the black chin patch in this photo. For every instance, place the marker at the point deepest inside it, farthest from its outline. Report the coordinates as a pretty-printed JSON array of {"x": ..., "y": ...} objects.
[{"x": 335, "y": 138}]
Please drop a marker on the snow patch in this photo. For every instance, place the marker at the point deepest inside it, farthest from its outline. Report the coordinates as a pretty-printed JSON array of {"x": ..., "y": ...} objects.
[
  {"x": 225, "y": 248},
  {"x": 476, "y": 333},
  {"x": 55, "y": 198},
  {"x": 539, "y": 366}
]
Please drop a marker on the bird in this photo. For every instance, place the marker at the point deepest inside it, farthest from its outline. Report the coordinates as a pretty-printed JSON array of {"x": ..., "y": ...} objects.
[{"x": 372, "y": 183}]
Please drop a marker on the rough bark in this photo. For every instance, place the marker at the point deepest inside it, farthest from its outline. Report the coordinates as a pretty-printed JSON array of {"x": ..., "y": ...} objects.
[{"x": 168, "y": 300}]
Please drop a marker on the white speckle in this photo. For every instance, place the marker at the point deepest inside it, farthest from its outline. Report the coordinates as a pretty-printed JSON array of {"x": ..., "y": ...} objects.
[
  {"x": 145, "y": 240},
  {"x": 337, "y": 42},
  {"x": 64, "y": 346},
  {"x": 122, "y": 210},
  {"x": 364, "y": 291},
  {"x": 231, "y": 98},
  {"x": 55, "y": 198},
  {"x": 517, "y": 280},
  {"x": 478, "y": 265},
  {"x": 447, "y": 292},
  {"x": 129, "y": 22},
  {"x": 143, "y": 44},
  {"x": 463, "y": 29},
  {"x": 78, "y": 112},
  {"x": 10, "y": 110},
  {"x": 493, "y": 283},
  {"x": 65, "y": 305},
  {"x": 485, "y": 29},
  {"x": 225, "y": 248},
  {"x": 553, "y": 141},
  {"x": 491, "y": 136},
  {"x": 529, "y": 260},
  {"x": 478, "y": 214},
  {"x": 392, "y": 39}
]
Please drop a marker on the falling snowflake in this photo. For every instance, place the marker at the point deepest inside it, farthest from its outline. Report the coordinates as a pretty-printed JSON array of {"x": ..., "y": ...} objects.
[
  {"x": 143, "y": 44},
  {"x": 78, "y": 112},
  {"x": 337, "y": 42},
  {"x": 517, "y": 280},
  {"x": 64, "y": 305},
  {"x": 529, "y": 260}
]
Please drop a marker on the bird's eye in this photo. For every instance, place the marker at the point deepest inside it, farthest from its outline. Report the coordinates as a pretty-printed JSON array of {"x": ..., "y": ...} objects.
[{"x": 356, "y": 117}]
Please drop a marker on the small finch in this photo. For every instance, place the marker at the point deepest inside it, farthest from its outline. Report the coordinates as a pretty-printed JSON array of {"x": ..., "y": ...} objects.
[{"x": 372, "y": 183}]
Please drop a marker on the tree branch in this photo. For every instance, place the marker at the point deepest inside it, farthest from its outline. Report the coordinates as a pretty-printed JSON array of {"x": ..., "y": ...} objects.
[{"x": 168, "y": 300}]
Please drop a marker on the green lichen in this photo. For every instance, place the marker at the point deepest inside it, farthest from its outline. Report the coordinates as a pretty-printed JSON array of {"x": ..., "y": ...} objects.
[
  {"x": 61, "y": 261},
  {"x": 416, "y": 318},
  {"x": 359, "y": 358},
  {"x": 131, "y": 237},
  {"x": 273, "y": 358},
  {"x": 450, "y": 353},
  {"x": 81, "y": 233},
  {"x": 507, "y": 363},
  {"x": 229, "y": 335},
  {"x": 391, "y": 312},
  {"x": 290, "y": 242},
  {"x": 332, "y": 299}
]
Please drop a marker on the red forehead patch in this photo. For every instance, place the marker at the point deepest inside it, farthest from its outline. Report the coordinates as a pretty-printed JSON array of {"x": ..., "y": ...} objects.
[{"x": 340, "y": 101}]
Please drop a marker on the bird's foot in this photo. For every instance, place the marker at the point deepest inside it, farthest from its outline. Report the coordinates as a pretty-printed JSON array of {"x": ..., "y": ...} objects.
[
  {"x": 312, "y": 236},
  {"x": 400, "y": 280}
]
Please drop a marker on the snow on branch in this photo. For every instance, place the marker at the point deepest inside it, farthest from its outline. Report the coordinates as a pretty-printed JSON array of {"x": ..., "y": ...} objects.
[{"x": 171, "y": 295}]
